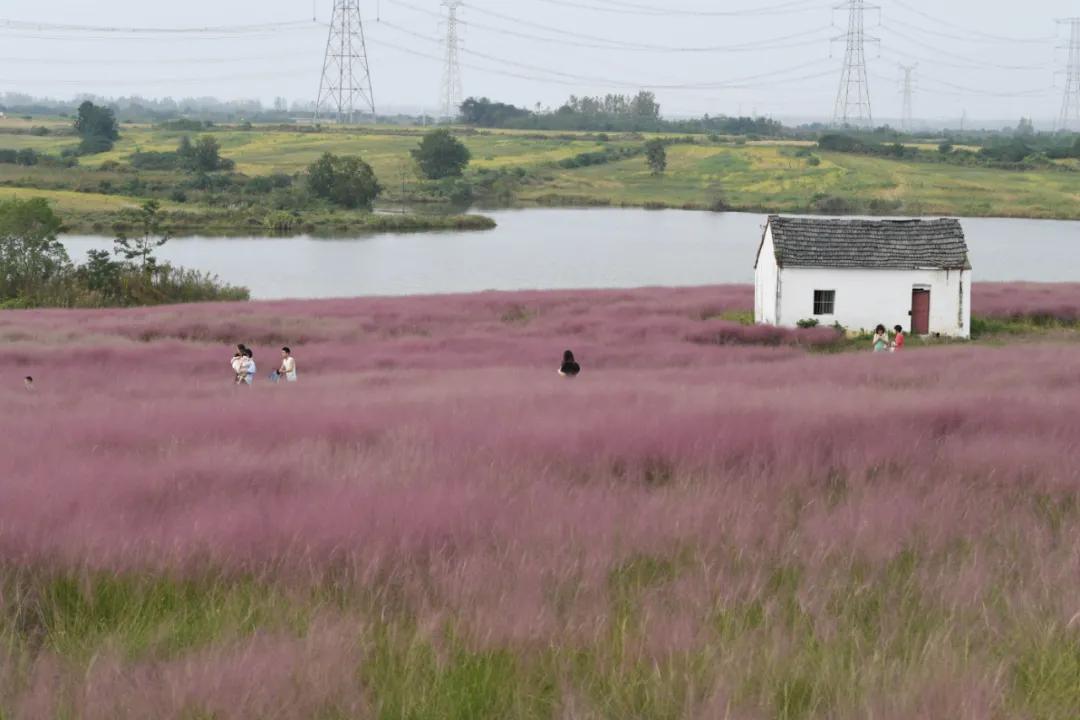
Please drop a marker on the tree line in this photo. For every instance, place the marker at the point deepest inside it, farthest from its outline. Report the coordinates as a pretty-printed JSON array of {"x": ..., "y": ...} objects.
[{"x": 608, "y": 113}]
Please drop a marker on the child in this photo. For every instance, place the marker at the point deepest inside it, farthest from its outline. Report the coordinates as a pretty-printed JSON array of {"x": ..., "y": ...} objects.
[
  {"x": 237, "y": 367},
  {"x": 898, "y": 341}
]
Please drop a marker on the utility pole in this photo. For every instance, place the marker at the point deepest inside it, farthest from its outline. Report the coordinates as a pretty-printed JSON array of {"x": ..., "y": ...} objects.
[
  {"x": 906, "y": 123},
  {"x": 853, "y": 99},
  {"x": 345, "y": 87},
  {"x": 452, "y": 91},
  {"x": 1070, "y": 104}
]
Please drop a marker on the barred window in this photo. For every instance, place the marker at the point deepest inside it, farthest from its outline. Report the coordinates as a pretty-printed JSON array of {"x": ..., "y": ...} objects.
[{"x": 824, "y": 302}]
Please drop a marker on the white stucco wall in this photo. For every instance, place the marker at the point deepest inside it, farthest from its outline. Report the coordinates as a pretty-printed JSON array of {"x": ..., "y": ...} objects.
[
  {"x": 865, "y": 298},
  {"x": 765, "y": 281}
]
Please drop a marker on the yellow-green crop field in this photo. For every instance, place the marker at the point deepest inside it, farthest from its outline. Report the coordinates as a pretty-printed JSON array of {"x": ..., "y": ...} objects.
[{"x": 760, "y": 176}]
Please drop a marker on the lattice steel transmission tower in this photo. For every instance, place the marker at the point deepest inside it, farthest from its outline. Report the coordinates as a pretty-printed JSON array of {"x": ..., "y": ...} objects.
[
  {"x": 853, "y": 99},
  {"x": 1070, "y": 105},
  {"x": 906, "y": 122},
  {"x": 452, "y": 88},
  {"x": 345, "y": 88}
]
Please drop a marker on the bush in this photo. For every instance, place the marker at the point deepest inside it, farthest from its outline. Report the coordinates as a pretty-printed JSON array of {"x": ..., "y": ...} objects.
[
  {"x": 94, "y": 145},
  {"x": 154, "y": 160},
  {"x": 283, "y": 222},
  {"x": 808, "y": 323}
]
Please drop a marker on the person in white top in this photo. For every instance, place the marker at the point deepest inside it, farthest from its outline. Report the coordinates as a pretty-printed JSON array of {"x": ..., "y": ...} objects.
[
  {"x": 239, "y": 365},
  {"x": 288, "y": 365}
]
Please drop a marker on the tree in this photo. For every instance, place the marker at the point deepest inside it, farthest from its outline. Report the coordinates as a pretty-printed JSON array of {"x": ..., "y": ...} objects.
[
  {"x": 656, "y": 156},
  {"x": 97, "y": 127},
  {"x": 644, "y": 105},
  {"x": 185, "y": 151},
  {"x": 206, "y": 154},
  {"x": 151, "y": 237},
  {"x": 346, "y": 181},
  {"x": 441, "y": 155},
  {"x": 31, "y": 256},
  {"x": 101, "y": 274}
]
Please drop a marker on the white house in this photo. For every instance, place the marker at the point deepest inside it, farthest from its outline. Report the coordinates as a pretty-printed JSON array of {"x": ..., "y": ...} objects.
[{"x": 862, "y": 273}]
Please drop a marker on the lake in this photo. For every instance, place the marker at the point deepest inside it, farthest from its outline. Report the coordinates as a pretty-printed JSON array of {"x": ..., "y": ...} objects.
[{"x": 563, "y": 249}]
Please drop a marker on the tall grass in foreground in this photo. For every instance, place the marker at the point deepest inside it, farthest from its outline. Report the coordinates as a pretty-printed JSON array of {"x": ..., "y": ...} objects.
[{"x": 709, "y": 523}]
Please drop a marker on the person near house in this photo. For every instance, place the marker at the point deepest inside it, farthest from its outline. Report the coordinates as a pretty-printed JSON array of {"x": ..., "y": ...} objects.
[
  {"x": 898, "y": 341},
  {"x": 570, "y": 367},
  {"x": 288, "y": 365},
  {"x": 28, "y": 383},
  {"x": 881, "y": 339}
]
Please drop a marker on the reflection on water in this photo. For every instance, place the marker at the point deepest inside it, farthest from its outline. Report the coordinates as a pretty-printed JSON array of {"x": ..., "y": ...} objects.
[{"x": 564, "y": 248}]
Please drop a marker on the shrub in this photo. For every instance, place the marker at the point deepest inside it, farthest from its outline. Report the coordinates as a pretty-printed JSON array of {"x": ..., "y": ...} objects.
[
  {"x": 808, "y": 323},
  {"x": 833, "y": 205},
  {"x": 283, "y": 222}
]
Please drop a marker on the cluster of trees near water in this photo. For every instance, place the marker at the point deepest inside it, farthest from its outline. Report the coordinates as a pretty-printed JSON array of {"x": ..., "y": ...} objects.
[{"x": 36, "y": 271}]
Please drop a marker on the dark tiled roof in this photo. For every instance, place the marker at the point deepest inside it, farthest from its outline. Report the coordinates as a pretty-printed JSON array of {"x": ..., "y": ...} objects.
[{"x": 878, "y": 244}]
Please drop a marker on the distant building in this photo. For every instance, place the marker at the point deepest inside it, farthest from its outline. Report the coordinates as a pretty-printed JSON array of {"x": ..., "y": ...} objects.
[{"x": 861, "y": 273}]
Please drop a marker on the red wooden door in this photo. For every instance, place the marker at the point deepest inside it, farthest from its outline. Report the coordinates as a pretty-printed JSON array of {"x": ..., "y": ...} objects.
[{"x": 920, "y": 312}]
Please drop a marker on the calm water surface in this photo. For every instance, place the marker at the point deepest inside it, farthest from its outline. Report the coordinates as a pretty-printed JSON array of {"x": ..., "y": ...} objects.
[{"x": 560, "y": 249}]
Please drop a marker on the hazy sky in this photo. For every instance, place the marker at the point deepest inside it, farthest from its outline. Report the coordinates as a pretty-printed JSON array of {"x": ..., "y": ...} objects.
[{"x": 785, "y": 65}]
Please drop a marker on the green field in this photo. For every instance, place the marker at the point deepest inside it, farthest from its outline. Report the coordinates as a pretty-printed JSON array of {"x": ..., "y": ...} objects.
[{"x": 701, "y": 174}]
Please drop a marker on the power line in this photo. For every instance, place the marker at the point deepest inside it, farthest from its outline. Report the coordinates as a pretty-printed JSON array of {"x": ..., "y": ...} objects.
[
  {"x": 599, "y": 43},
  {"x": 988, "y": 36},
  {"x": 953, "y": 89},
  {"x": 652, "y": 10},
  {"x": 232, "y": 29},
  {"x": 945, "y": 35},
  {"x": 853, "y": 98},
  {"x": 602, "y": 80},
  {"x": 900, "y": 56},
  {"x": 346, "y": 75},
  {"x": 945, "y": 53}
]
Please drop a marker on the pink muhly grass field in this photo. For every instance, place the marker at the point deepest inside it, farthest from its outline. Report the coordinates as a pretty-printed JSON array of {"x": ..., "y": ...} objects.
[{"x": 710, "y": 522}]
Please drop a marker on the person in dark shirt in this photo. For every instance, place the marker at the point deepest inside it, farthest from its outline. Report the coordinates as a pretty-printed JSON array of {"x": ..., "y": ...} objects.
[{"x": 569, "y": 368}]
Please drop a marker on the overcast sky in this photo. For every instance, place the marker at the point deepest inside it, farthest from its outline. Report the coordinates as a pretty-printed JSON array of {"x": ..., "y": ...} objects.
[{"x": 785, "y": 65}]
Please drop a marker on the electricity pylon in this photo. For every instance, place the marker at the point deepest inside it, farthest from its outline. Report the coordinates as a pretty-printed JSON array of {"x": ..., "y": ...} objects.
[
  {"x": 452, "y": 90},
  {"x": 345, "y": 87},
  {"x": 1070, "y": 104},
  {"x": 906, "y": 123},
  {"x": 853, "y": 99}
]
